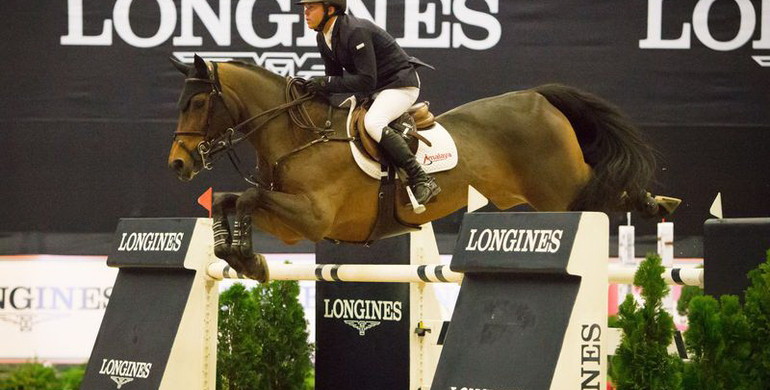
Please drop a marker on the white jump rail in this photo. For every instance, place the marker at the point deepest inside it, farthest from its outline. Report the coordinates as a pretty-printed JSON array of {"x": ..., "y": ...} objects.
[
  {"x": 672, "y": 276},
  {"x": 434, "y": 273},
  {"x": 386, "y": 273}
]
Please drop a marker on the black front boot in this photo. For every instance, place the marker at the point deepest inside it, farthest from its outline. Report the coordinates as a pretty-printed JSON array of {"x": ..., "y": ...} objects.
[
  {"x": 423, "y": 186},
  {"x": 242, "y": 244}
]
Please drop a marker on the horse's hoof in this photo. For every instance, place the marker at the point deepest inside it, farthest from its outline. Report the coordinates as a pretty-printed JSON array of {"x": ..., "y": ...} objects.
[
  {"x": 234, "y": 263},
  {"x": 667, "y": 205},
  {"x": 256, "y": 268}
]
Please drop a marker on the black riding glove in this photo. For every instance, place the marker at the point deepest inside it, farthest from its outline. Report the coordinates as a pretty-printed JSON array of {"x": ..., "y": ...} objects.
[{"x": 317, "y": 84}]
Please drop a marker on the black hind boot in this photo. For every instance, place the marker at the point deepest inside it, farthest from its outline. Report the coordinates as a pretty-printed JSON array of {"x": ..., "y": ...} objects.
[{"x": 423, "y": 185}]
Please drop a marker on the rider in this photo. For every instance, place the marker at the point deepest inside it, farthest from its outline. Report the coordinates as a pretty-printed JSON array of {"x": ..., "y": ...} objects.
[{"x": 361, "y": 57}]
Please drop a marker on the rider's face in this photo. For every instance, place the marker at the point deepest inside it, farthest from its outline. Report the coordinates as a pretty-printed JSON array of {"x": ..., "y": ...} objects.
[{"x": 314, "y": 14}]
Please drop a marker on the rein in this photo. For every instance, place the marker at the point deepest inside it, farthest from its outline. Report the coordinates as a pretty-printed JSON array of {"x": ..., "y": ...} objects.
[{"x": 210, "y": 150}]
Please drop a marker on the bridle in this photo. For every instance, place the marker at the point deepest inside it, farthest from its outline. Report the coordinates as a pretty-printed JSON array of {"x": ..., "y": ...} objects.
[
  {"x": 212, "y": 148},
  {"x": 204, "y": 149}
]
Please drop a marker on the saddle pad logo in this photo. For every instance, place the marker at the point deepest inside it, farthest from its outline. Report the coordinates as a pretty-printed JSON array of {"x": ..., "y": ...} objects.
[
  {"x": 441, "y": 156},
  {"x": 429, "y": 159}
]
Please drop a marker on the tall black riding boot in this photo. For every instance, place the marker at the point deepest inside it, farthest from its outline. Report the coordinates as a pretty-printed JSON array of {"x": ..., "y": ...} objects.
[{"x": 423, "y": 186}]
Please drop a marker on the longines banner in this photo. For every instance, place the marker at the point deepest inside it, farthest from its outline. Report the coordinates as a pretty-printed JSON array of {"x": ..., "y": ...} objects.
[
  {"x": 89, "y": 104},
  {"x": 51, "y": 306}
]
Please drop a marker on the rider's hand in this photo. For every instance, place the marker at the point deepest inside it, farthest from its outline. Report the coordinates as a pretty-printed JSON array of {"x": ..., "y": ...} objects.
[{"x": 317, "y": 84}]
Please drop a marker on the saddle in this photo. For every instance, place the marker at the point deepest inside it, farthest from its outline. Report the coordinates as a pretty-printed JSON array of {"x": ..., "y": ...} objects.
[{"x": 417, "y": 118}]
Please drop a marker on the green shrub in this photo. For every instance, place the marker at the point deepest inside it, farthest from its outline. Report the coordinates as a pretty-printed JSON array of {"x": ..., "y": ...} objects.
[
  {"x": 728, "y": 345},
  {"x": 263, "y": 339},
  {"x": 688, "y": 293},
  {"x": 72, "y": 377},
  {"x": 642, "y": 361},
  {"x": 31, "y": 376},
  {"x": 757, "y": 309},
  {"x": 718, "y": 345},
  {"x": 37, "y": 376}
]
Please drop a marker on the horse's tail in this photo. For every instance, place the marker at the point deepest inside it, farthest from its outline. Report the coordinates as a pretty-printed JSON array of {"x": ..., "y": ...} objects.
[{"x": 622, "y": 162}]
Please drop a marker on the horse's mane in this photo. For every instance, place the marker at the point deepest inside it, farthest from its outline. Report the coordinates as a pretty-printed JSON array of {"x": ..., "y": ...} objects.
[{"x": 255, "y": 68}]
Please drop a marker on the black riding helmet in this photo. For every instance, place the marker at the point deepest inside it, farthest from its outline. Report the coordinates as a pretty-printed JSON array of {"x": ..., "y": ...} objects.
[{"x": 339, "y": 8}]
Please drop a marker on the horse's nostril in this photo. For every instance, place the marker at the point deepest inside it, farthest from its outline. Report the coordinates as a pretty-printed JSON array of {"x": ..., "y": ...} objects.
[{"x": 177, "y": 165}]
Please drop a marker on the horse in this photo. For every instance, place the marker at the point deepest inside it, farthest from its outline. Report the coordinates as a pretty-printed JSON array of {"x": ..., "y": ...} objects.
[{"x": 553, "y": 147}]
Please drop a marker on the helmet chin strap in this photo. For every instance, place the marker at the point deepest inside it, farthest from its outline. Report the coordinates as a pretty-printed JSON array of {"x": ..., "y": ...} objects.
[{"x": 320, "y": 27}]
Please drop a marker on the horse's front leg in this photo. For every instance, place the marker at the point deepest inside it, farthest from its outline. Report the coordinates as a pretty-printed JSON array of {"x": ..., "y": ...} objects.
[
  {"x": 222, "y": 206},
  {"x": 242, "y": 256},
  {"x": 242, "y": 245},
  {"x": 286, "y": 216},
  {"x": 229, "y": 246}
]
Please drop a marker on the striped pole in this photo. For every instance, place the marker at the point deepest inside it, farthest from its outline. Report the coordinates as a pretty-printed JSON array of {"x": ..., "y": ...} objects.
[
  {"x": 409, "y": 273},
  {"x": 387, "y": 273},
  {"x": 672, "y": 276}
]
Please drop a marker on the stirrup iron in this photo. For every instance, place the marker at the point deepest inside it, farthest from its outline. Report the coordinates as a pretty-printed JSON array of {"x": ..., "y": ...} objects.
[{"x": 416, "y": 207}]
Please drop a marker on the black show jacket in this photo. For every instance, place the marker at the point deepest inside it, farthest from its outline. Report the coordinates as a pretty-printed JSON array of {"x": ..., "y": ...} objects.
[{"x": 365, "y": 58}]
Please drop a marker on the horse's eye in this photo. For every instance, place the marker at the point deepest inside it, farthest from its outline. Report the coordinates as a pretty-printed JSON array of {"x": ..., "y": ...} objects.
[{"x": 198, "y": 103}]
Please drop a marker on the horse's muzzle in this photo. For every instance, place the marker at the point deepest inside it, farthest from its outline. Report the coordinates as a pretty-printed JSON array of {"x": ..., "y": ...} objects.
[
  {"x": 184, "y": 161},
  {"x": 185, "y": 171},
  {"x": 178, "y": 167}
]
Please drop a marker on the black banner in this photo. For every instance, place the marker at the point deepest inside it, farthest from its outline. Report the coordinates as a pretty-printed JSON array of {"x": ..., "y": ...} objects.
[
  {"x": 515, "y": 242},
  {"x": 143, "y": 242},
  {"x": 364, "y": 328},
  {"x": 500, "y": 337},
  {"x": 732, "y": 247},
  {"x": 138, "y": 329},
  {"x": 90, "y": 96}
]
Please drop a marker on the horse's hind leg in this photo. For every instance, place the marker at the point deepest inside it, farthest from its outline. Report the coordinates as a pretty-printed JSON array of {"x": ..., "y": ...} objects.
[{"x": 649, "y": 205}]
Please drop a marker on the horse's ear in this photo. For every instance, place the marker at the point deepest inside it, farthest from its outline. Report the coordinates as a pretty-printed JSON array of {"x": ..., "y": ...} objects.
[
  {"x": 201, "y": 69},
  {"x": 180, "y": 66}
]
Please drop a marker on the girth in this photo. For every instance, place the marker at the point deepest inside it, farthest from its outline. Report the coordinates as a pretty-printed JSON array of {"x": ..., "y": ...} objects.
[{"x": 387, "y": 223}]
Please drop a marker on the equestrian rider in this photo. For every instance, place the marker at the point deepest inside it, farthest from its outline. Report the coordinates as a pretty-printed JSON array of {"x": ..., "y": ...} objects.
[{"x": 361, "y": 57}]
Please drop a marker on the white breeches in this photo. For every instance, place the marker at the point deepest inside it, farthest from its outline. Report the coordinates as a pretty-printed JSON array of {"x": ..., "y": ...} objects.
[{"x": 388, "y": 105}]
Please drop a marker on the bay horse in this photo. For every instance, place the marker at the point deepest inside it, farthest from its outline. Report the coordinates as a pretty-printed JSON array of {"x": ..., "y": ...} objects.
[{"x": 553, "y": 147}]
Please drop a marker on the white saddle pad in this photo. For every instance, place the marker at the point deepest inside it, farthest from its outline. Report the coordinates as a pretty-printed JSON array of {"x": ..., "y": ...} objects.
[{"x": 442, "y": 156}]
